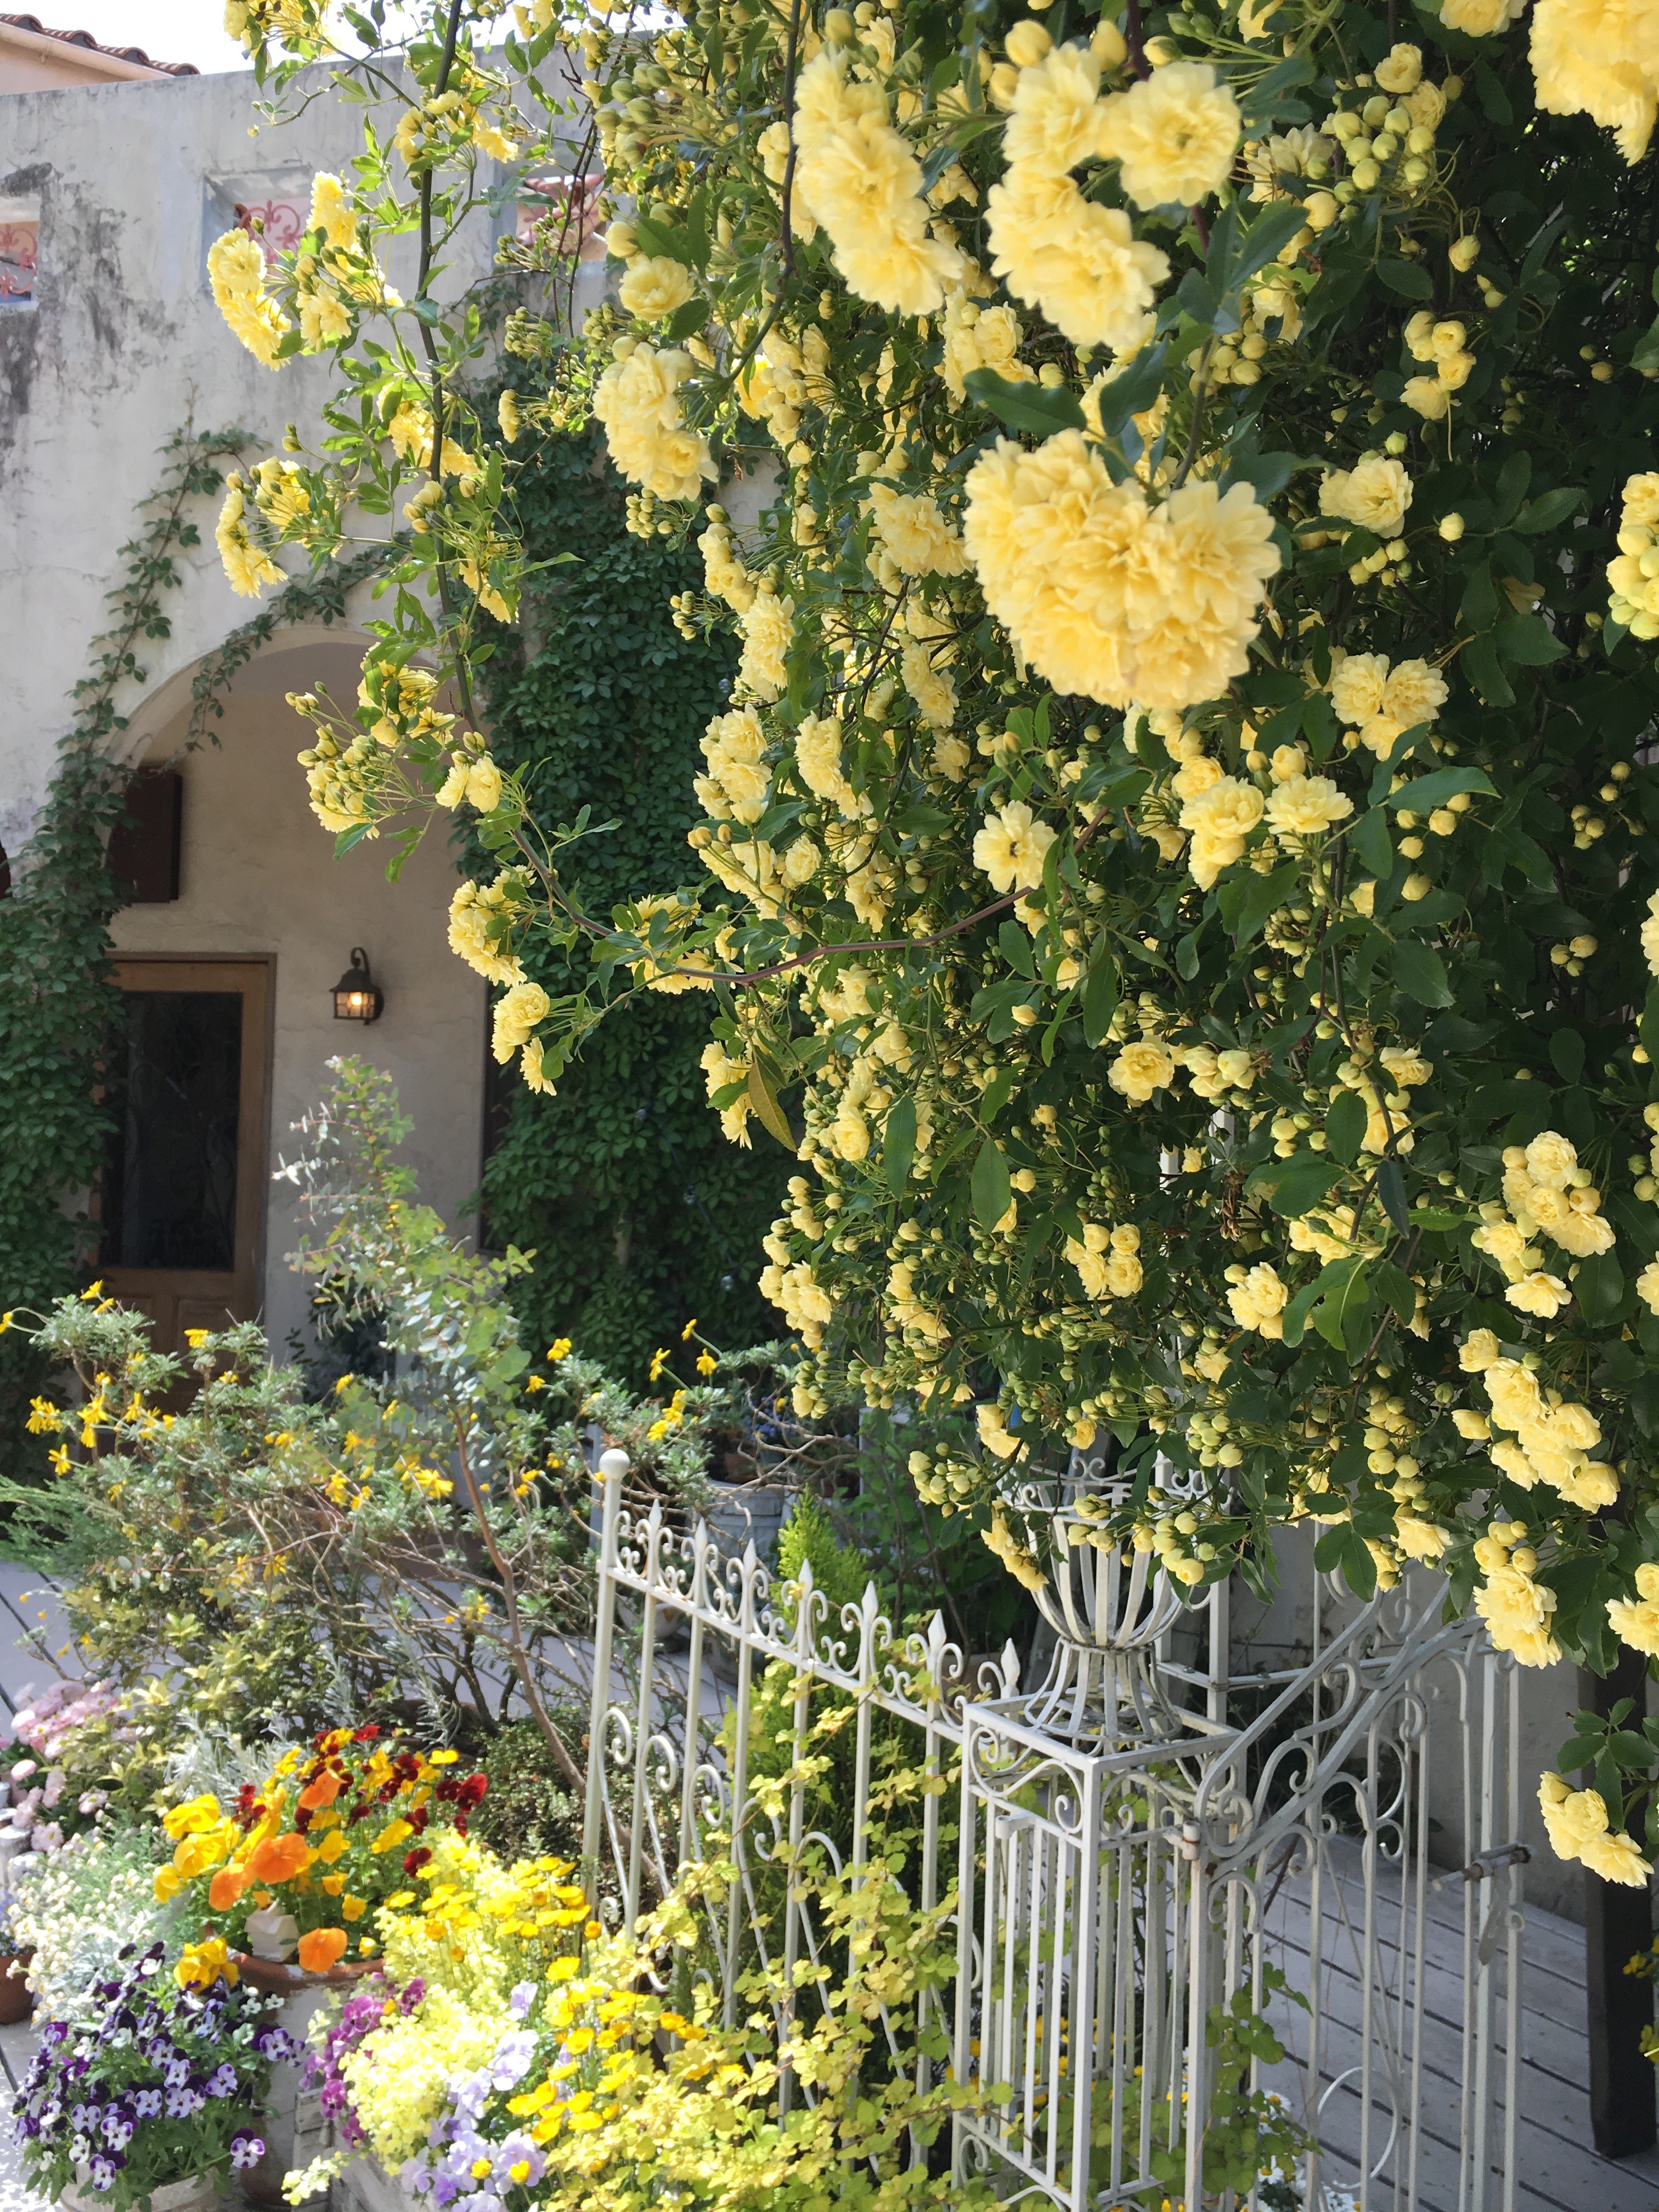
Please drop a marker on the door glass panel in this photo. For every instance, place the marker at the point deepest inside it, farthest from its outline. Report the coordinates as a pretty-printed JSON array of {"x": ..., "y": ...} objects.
[{"x": 171, "y": 1189}]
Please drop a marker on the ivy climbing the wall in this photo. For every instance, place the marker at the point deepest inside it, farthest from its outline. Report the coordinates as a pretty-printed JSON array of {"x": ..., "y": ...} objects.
[
  {"x": 640, "y": 1214},
  {"x": 58, "y": 1004}
]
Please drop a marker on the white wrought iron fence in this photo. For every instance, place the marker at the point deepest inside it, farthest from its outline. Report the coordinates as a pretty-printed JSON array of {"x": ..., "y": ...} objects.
[{"x": 1144, "y": 1852}]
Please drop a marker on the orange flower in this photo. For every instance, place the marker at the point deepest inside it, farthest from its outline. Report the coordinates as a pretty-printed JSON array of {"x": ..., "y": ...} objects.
[
  {"x": 320, "y": 1948},
  {"x": 278, "y": 1858},
  {"x": 226, "y": 1887},
  {"x": 323, "y": 1791}
]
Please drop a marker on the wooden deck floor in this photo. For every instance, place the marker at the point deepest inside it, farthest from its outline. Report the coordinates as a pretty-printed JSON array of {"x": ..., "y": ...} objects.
[{"x": 1557, "y": 2169}]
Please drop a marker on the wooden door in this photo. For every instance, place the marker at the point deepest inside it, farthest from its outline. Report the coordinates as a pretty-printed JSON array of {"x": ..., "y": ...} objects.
[{"x": 181, "y": 1203}]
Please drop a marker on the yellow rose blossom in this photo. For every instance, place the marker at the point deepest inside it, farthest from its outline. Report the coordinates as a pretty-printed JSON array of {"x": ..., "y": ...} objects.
[
  {"x": 1173, "y": 135},
  {"x": 1011, "y": 847}
]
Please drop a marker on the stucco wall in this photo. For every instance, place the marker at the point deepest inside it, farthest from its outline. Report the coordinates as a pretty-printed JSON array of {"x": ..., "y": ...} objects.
[
  {"x": 123, "y": 345},
  {"x": 259, "y": 876}
]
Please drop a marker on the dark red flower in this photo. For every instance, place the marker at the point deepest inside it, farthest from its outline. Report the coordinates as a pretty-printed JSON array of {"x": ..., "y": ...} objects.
[
  {"x": 418, "y": 1817},
  {"x": 415, "y": 1860}
]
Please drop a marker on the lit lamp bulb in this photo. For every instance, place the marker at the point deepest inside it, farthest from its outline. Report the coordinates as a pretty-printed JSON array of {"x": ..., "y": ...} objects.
[{"x": 356, "y": 997}]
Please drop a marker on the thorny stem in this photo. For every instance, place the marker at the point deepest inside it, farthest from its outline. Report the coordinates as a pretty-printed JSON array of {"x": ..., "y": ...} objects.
[{"x": 1131, "y": 40}]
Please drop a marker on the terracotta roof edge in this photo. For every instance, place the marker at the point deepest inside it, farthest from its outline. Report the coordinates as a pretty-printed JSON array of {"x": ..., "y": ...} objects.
[{"x": 83, "y": 41}]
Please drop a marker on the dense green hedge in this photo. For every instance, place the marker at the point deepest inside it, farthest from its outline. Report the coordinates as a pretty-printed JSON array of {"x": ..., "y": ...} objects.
[{"x": 640, "y": 1215}]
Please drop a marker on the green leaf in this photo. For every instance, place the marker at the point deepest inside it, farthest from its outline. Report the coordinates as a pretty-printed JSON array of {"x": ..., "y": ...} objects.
[
  {"x": 1494, "y": 100},
  {"x": 764, "y": 1100},
  {"x": 1411, "y": 281},
  {"x": 991, "y": 1188},
  {"x": 1016, "y": 948},
  {"x": 1345, "y": 1125},
  {"x": 1266, "y": 474},
  {"x": 1599, "y": 1287},
  {"x": 1198, "y": 299},
  {"x": 1132, "y": 391},
  {"x": 1033, "y": 407},
  {"x": 1646, "y": 355},
  {"x": 1528, "y": 640},
  {"x": 663, "y": 238},
  {"x": 1284, "y": 77},
  {"x": 1268, "y": 234},
  {"x": 1100, "y": 995},
  {"x": 1397, "y": 1288},
  {"x": 1567, "y": 1052},
  {"x": 1512, "y": 481},
  {"x": 1479, "y": 609},
  {"x": 1369, "y": 839},
  {"x": 1295, "y": 1313},
  {"x": 1292, "y": 1186},
  {"x": 1548, "y": 510},
  {"x": 1342, "y": 1304},
  {"x": 1391, "y": 1189},
  {"x": 1420, "y": 972},
  {"x": 1425, "y": 793},
  {"x": 1248, "y": 900},
  {"x": 898, "y": 1144}
]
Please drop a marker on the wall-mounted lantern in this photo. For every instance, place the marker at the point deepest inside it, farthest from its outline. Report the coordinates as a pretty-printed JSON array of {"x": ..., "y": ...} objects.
[{"x": 356, "y": 997}]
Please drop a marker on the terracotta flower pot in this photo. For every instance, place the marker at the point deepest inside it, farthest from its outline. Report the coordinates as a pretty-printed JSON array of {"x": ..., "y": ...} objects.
[
  {"x": 277, "y": 1980},
  {"x": 17, "y": 1998}
]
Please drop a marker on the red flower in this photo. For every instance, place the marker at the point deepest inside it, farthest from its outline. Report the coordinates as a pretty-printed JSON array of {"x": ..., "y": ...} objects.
[
  {"x": 418, "y": 1817},
  {"x": 369, "y": 1734},
  {"x": 413, "y": 1861}
]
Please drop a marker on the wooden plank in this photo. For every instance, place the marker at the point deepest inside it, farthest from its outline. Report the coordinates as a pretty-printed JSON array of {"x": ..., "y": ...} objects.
[{"x": 1552, "y": 2176}]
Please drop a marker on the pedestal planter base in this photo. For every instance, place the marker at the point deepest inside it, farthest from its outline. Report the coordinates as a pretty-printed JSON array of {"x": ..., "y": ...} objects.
[
  {"x": 366, "y": 2186},
  {"x": 292, "y": 2124}
]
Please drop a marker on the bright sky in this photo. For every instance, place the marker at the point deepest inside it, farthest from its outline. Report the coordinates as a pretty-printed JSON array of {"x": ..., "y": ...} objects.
[{"x": 171, "y": 30}]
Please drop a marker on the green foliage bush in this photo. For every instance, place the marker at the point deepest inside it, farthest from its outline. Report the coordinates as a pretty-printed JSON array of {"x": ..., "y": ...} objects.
[{"x": 639, "y": 1214}]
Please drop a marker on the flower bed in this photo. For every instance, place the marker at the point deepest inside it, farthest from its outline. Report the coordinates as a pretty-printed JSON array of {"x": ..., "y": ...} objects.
[{"x": 154, "y": 2082}]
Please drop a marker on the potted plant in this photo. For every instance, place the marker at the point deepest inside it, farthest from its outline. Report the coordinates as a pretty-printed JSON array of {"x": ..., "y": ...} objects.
[
  {"x": 17, "y": 2000},
  {"x": 151, "y": 2096},
  {"x": 284, "y": 1884}
]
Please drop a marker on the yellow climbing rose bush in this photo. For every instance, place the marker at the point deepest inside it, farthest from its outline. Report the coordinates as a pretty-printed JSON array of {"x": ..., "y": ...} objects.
[{"x": 1177, "y": 864}]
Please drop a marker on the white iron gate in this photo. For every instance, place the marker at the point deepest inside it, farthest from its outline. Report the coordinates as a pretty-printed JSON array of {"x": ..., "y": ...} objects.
[{"x": 1136, "y": 1855}]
